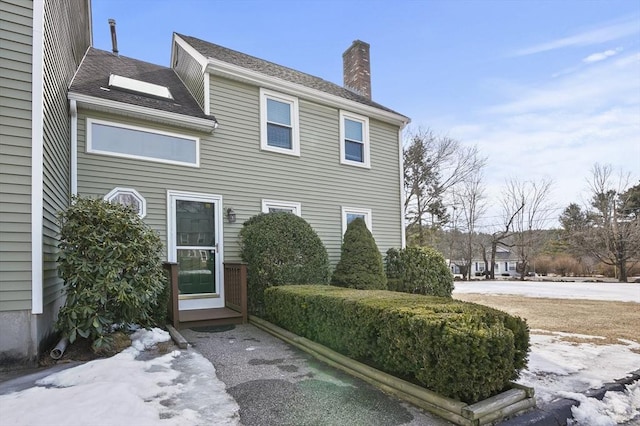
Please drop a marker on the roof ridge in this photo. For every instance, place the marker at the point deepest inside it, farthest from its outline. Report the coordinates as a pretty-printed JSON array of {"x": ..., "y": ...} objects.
[{"x": 262, "y": 60}]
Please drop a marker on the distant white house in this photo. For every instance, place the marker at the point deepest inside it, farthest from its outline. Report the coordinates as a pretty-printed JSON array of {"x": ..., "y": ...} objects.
[{"x": 505, "y": 264}]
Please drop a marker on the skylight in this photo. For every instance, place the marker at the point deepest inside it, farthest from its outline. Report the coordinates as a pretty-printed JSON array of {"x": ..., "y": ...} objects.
[{"x": 134, "y": 85}]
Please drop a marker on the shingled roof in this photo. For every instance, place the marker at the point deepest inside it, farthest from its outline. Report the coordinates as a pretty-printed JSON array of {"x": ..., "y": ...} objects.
[
  {"x": 92, "y": 79},
  {"x": 214, "y": 51}
]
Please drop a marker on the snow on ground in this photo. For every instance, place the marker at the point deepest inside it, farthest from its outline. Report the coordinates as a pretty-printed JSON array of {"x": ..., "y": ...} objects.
[
  {"x": 564, "y": 369},
  {"x": 179, "y": 388},
  {"x": 561, "y": 369},
  {"x": 622, "y": 292}
]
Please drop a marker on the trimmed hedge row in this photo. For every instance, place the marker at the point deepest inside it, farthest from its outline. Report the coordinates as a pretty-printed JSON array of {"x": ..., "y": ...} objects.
[
  {"x": 421, "y": 270},
  {"x": 460, "y": 350}
]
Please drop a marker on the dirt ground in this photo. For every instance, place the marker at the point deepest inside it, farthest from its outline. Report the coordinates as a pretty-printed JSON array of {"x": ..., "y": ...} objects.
[{"x": 612, "y": 320}]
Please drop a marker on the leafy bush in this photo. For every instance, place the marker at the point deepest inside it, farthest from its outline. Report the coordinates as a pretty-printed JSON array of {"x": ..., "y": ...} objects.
[
  {"x": 420, "y": 270},
  {"x": 111, "y": 267},
  {"x": 360, "y": 264},
  {"x": 460, "y": 350},
  {"x": 281, "y": 248}
]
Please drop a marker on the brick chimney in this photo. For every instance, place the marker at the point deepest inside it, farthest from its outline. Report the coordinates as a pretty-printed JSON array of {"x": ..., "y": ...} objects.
[{"x": 357, "y": 68}]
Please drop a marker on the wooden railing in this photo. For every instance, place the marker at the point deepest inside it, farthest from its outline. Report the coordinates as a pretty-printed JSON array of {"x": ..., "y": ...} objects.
[
  {"x": 171, "y": 269},
  {"x": 235, "y": 288}
]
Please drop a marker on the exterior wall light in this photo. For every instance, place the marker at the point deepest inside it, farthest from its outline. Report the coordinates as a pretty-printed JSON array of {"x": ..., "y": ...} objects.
[{"x": 231, "y": 215}]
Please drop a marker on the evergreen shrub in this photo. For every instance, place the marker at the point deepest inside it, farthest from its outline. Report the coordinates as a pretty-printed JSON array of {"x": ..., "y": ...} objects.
[
  {"x": 360, "y": 264},
  {"x": 419, "y": 270},
  {"x": 460, "y": 350},
  {"x": 280, "y": 249},
  {"x": 112, "y": 271}
]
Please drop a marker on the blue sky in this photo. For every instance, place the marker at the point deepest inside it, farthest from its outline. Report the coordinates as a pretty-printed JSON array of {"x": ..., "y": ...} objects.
[{"x": 544, "y": 88}]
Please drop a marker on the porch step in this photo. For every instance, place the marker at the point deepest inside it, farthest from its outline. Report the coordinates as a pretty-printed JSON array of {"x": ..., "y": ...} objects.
[{"x": 206, "y": 317}]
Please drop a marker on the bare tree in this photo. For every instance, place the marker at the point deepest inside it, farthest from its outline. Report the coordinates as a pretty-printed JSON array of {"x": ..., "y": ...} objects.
[
  {"x": 526, "y": 205},
  {"x": 470, "y": 197},
  {"x": 609, "y": 229},
  {"x": 511, "y": 208},
  {"x": 433, "y": 165}
]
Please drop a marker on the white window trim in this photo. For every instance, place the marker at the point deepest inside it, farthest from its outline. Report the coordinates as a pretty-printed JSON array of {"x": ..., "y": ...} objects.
[
  {"x": 295, "y": 132},
  {"x": 119, "y": 190},
  {"x": 356, "y": 210},
  {"x": 90, "y": 149},
  {"x": 295, "y": 207},
  {"x": 365, "y": 135}
]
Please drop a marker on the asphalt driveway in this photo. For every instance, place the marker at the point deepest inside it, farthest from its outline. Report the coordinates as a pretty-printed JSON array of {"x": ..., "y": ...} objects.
[{"x": 277, "y": 384}]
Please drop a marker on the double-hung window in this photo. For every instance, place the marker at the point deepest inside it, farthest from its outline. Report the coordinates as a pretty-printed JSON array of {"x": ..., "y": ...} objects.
[
  {"x": 351, "y": 213},
  {"x": 354, "y": 140},
  {"x": 279, "y": 130}
]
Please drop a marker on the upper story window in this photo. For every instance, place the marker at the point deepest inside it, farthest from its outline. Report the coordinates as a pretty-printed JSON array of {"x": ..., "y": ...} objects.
[
  {"x": 351, "y": 213},
  {"x": 273, "y": 206},
  {"x": 354, "y": 140},
  {"x": 279, "y": 130},
  {"x": 126, "y": 141}
]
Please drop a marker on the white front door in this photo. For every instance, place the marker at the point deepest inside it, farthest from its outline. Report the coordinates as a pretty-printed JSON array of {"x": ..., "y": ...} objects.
[{"x": 194, "y": 241}]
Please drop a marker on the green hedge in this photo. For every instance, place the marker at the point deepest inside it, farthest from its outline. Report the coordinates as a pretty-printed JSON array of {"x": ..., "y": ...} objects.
[
  {"x": 461, "y": 350},
  {"x": 420, "y": 270},
  {"x": 280, "y": 249}
]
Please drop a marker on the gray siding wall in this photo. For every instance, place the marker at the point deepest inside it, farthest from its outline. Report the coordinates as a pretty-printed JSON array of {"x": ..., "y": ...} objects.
[
  {"x": 16, "y": 26},
  {"x": 190, "y": 72},
  {"x": 66, "y": 34},
  {"x": 232, "y": 165},
  {"x": 66, "y": 39}
]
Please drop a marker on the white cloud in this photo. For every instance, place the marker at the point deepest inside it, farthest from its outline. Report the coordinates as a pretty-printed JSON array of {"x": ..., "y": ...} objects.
[
  {"x": 600, "y": 56},
  {"x": 609, "y": 32},
  {"x": 559, "y": 129}
]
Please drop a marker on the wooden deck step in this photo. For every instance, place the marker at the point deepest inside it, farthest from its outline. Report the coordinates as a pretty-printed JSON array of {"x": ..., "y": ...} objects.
[{"x": 206, "y": 317}]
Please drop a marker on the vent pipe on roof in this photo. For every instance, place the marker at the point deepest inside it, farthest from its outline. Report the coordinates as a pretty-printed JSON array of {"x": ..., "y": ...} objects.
[{"x": 114, "y": 40}]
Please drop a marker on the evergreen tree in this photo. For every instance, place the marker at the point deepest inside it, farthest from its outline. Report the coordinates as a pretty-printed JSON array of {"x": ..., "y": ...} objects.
[{"x": 360, "y": 264}]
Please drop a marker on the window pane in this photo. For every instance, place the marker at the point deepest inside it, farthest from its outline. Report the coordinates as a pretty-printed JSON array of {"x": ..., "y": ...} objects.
[
  {"x": 353, "y": 130},
  {"x": 278, "y": 112},
  {"x": 280, "y": 209},
  {"x": 352, "y": 216},
  {"x": 278, "y": 136},
  {"x": 196, "y": 271},
  {"x": 354, "y": 151},
  {"x": 142, "y": 144},
  {"x": 195, "y": 223}
]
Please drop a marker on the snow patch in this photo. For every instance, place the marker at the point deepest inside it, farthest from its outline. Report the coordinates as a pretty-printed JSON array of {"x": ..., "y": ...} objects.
[
  {"x": 175, "y": 389},
  {"x": 615, "y": 408}
]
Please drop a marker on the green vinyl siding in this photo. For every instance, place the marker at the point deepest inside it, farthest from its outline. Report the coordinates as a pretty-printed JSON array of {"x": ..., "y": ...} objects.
[
  {"x": 66, "y": 39},
  {"x": 233, "y": 166},
  {"x": 16, "y": 27},
  {"x": 190, "y": 72}
]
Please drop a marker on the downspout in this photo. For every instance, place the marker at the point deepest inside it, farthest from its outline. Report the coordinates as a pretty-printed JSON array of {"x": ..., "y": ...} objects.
[{"x": 73, "y": 109}]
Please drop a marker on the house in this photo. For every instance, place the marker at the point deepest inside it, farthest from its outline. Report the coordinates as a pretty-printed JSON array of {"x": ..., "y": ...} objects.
[
  {"x": 41, "y": 45},
  {"x": 505, "y": 264},
  {"x": 216, "y": 138}
]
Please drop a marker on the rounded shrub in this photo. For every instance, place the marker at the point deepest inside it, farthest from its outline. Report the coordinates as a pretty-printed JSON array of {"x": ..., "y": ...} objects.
[
  {"x": 110, "y": 263},
  {"x": 280, "y": 248},
  {"x": 360, "y": 264},
  {"x": 420, "y": 270}
]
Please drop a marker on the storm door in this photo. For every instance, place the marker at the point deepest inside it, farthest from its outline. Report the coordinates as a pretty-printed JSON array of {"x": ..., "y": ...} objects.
[{"x": 194, "y": 243}]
